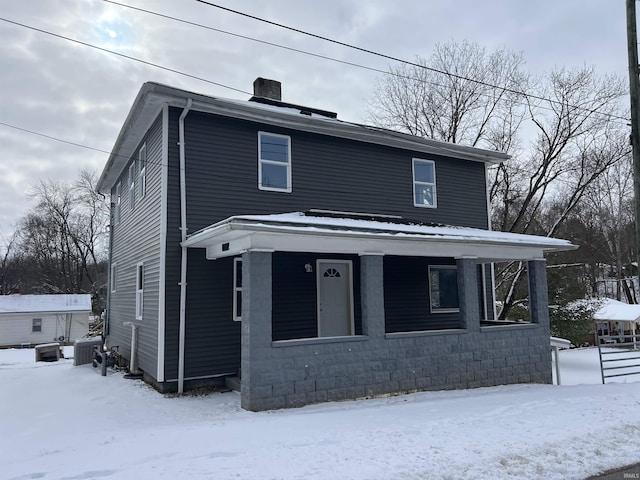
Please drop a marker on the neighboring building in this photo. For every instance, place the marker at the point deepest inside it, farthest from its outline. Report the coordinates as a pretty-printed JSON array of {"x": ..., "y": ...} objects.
[
  {"x": 619, "y": 320},
  {"x": 237, "y": 246},
  {"x": 32, "y": 319}
]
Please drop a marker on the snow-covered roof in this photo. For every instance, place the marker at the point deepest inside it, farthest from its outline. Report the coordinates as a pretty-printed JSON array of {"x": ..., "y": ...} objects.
[
  {"x": 152, "y": 97},
  {"x": 391, "y": 236},
  {"x": 62, "y": 303},
  {"x": 618, "y": 311}
]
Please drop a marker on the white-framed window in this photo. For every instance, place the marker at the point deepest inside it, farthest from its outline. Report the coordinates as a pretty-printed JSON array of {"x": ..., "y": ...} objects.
[
  {"x": 443, "y": 288},
  {"x": 36, "y": 325},
  {"x": 424, "y": 183},
  {"x": 113, "y": 279},
  {"x": 274, "y": 162},
  {"x": 116, "y": 204},
  {"x": 142, "y": 171},
  {"x": 132, "y": 185},
  {"x": 139, "y": 290},
  {"x": 237, "y": 289}
]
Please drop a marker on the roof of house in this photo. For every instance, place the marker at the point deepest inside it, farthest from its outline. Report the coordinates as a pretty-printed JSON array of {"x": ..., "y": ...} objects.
[
  {"x": 153, "y": 96},
  {"x": 618, "y": 311},
  {"x": 363, "y": 233},
  {"x": 60, "y": 303}
]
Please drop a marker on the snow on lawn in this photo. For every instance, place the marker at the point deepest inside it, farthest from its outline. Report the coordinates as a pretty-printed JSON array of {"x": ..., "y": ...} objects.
[{"x": 58, "y": 421}]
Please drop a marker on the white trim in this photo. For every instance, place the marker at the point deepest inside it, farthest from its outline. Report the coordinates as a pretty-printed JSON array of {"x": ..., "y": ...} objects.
[
  {"x": 117, "y": 205},
  {"x": 488, "y": 199},
  {"x": 142, "y": 170},
  {"x": 493, "y": 291},
  {"x": 113, "y": 277},
  {"x": 132, "y": 186},
  {"x": 483, "y": 273},
  {"x": 140, "y": 290},
  {"x": 163, "y": 243},
  {"x": 349, "y": 264},
  {"x": 262, "y": 161},
  {"x": 236, "y": 289},
  {"x": 445, "y": 309},
  {"x": 416, "y": 182}
]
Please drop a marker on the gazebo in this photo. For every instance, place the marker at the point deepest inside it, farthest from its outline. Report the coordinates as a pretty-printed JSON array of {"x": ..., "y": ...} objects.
[{"x": 617, "y": 320}]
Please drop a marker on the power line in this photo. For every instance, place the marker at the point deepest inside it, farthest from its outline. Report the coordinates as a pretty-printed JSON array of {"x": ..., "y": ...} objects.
[
  {"x": 129, "y": 57},
  {"x": 406, "y": 62},
  {"x": 264, "y": 42},
  {"x": 50, "y": 137}
]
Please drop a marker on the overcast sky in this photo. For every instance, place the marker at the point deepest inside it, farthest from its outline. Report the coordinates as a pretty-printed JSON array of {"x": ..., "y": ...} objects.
[{"x": 79, "y": 94}]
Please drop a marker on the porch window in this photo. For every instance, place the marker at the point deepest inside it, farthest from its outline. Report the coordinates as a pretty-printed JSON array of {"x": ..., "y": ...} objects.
[
  {"x": 139, "y": 290},
  {"x": 274, "y": 162},
  {"x": 237, "y": 289},
  {"x": 424, "y": 183},
  {"x": 443, "y": 288},
  {"x": 36, "y": 325}
]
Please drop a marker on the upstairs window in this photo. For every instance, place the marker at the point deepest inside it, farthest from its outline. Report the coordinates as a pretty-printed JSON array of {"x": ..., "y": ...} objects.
[
  {"x": 139, "y": 290},
  {"x": 132, "y": 185},
  {"x": 274, "y": 162},
  {"x": 142, "y": 171},
  {"x": 116, "y": 204},
  {"x": 424, "y": 183},
  {"x": 443, "y": 288},
  {"x": 237, "y": 289}
]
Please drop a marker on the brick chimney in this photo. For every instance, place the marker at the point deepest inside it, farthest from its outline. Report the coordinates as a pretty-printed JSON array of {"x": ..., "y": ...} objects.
[{"x": 265, "y": 88}]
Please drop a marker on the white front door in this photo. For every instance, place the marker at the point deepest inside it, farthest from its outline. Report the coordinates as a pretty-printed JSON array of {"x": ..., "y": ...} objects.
[{"x": 335, "y": 298}]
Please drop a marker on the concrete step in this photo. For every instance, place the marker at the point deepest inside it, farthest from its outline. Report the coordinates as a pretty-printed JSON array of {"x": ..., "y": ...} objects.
[{"x": 232, "y": 383}]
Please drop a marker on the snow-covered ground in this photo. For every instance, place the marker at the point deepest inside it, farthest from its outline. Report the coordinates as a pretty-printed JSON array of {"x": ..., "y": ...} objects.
[{"x": 63, "y": 422}]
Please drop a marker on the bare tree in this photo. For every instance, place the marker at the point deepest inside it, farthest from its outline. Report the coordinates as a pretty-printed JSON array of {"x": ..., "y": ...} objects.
[
  {"x": 9, "y": 265},
  {"x": 62, "y": 236},
  {"x": 486, "y": 111},
  {"x": 561, "y": 139}
]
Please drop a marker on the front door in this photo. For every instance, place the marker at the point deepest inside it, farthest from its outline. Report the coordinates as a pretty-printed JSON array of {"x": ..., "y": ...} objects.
[{"x": 335, "y": 298}]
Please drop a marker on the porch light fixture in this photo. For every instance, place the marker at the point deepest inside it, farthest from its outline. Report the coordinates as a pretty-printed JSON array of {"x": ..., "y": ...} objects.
[{"x": 308, "y": 268}]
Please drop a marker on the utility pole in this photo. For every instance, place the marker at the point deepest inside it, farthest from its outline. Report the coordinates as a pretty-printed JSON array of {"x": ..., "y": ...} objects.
[{"x": 634, "y": 92}]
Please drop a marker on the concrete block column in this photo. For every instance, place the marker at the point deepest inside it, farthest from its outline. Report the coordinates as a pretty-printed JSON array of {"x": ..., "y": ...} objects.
[
  {"x": 468, "y": 295},
  {"x": 372, "y": 295},
  {"x": 538, "y": 293},
  {"x": 256, "y": 323}
]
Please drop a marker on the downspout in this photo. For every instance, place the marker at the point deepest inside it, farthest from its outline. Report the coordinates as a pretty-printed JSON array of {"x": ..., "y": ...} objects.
[{"x": 183, "y": 232}]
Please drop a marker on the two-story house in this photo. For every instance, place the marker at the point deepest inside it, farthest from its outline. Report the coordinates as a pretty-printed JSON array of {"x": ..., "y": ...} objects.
[{"x": 316, "y": 259}]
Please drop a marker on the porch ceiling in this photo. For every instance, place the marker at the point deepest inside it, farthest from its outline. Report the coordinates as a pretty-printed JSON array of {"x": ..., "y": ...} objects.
[{"x": 299, "y": 232}]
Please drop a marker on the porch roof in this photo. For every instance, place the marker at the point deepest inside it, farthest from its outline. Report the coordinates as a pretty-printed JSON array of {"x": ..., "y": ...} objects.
[{"x": 362, "y": 234}]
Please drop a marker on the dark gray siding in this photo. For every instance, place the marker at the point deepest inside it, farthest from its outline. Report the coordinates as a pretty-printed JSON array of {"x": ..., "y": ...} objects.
[
  {"x": 406, "y": 296},
  {"x": 294, "y": 308},
  {"x": 136, "y": 238},
  {"x": 212, "y": 342},
  {"x": 327, "y": 173}
]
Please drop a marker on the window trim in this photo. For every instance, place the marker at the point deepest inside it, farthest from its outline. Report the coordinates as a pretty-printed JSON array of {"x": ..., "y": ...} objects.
[
  {"x": 262, "y": 161},
  {"x": 236, "y": 289},
  {"x": 36, "y": 323},
  {"x": 113, "y": 278},
  {"x": 132, "y": 186},
  {"x": 416, "y": 182},
  {"x": 443, "y": 309},
  {"x": 117, "y": 204},
  {"x": 142, "y": 171},
  {"x": 139, "y": 290}
]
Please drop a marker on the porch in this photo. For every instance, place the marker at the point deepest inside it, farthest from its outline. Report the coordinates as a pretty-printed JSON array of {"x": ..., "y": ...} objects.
[{"x": 368, "y": 345}]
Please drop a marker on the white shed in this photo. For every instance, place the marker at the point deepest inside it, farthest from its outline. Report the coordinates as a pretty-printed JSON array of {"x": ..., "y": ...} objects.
[
  {"x": 617, "y": 319},
  {"x": 33, "y": 319}
]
